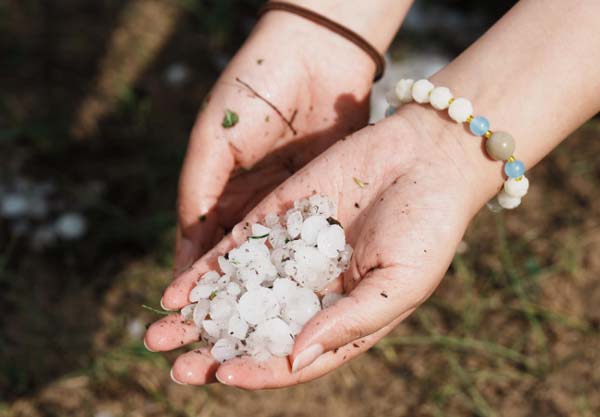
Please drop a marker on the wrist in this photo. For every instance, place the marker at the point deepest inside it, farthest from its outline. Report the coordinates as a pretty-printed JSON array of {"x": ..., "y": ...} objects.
[
  {"x": 377, "y": 22},
  {"x": 448, "y": 149},
  {"x": 325, "y": 53}
]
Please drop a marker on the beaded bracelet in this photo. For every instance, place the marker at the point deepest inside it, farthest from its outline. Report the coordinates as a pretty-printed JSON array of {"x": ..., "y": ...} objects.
[{"x": 500, "y": 146}]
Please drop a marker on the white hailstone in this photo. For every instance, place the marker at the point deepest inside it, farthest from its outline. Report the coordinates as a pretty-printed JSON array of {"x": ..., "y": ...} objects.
[
  {"x": 311, "y": 228},
  {"x": 460, "y": 110},
  {"x": 70, "y": 226},
  {"x": 258, "y": 305},
  {"x": 331, "y": 241},
  {"x": 302, "y": 205},
  {"x": 283, "y": 288},
  {"x": 200, "y": 312},
  {"x": 295, "y": 328},
  {"x": 330, "y": 299},
  {"x": 278, "y": 236},
  {"x": 276, "y": 335},
  {"x": 440, "y": 97},
  {"x": 223, "y": 281},
  {"x": 403, "y": 90},
  {"x": 222, "y": 307},
  {"x": 267, "y": 290},
  {"x": 279, "y": 257},
  {"x": 226, "y": 266},
  {"x": 294, "y": 223},
  {"x": 271, "y": 220},
  {"x": 392, "y": 99},
  {"x": 233, "y": 289},
  {"x": 311, "y": 258},
  {"x": 301, "y": 306},
  {"x": 322, "y": 206},
  {"x": 14, "y": 206},
  {"x": 345, "y": 256},
  {"x": 237, "y": 327},
  {"x": 224, "y": 349},
  {"x": 507, "y": 201},
  {"x": 516, "y": 187},
  {"x": 251, "y": 278},
  {"x": 290, "y": 268},
  {"x": 212, "y": 328},
  {"x": 259, "y": 230},
  {"x": 421, "y": 90},
  {"x": 202, "y": 291},
  {"x": 256, "y": 348},
  {"x": 211, "y": 277},
  {"x": 187, "y": 311}
]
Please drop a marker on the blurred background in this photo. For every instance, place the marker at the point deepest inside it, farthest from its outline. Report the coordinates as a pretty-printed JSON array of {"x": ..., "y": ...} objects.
[{"x": 96, "y": 101}]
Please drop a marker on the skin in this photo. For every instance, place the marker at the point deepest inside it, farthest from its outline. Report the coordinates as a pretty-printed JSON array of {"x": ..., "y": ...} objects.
[
  {"x": 539, "y": 81},
  {"x": 227, "y": 171}
]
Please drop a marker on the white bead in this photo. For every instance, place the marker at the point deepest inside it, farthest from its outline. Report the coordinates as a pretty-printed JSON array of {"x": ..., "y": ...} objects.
[
  {"x": 421, "y": 90},
  {"x": 507, "y": 201},
  {"x": 516, "y": 187},
  {"x": 439, "y": 98},
  {"x": 392, "y": 98},
  {"x": 404, "y": 90},
  {"x": 460, "y": 110}
]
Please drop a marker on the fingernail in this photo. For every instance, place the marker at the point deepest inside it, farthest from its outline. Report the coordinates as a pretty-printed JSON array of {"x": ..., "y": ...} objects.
[
  {"x": 162, "y": 305},
  {"x": 225, "y": 380},
  {"x": 175, "y": 380},
  {"x": 146, "y": 346},
  {"x": 308, "y": 356}
]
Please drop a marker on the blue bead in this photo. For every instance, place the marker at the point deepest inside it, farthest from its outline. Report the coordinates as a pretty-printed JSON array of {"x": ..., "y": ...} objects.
[
  {"x": 479, "y": 125},
  {"x": 514, "y": 169},
  {"x": 389, "y": 111}
]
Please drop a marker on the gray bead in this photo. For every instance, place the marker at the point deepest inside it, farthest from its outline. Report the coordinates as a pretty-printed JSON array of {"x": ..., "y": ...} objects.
[{"x": 500, "y": 146}]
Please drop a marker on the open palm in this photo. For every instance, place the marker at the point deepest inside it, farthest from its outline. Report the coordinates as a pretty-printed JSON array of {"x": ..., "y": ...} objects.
[
  {"x": 295, "y": 89},
  {"x": 404, "y": 219}
]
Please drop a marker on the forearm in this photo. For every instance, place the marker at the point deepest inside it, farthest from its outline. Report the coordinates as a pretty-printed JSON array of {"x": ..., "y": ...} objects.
[
  {"x": 377, "y": 21},
  {"x": 535, "y": 74}
]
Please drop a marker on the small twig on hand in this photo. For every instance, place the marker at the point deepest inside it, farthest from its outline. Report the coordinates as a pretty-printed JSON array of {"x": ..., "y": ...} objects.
[{"x": 271, "y": 105}]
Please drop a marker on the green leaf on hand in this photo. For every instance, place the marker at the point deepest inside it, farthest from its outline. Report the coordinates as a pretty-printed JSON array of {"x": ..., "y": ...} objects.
[{"x": 231, "y": 118}]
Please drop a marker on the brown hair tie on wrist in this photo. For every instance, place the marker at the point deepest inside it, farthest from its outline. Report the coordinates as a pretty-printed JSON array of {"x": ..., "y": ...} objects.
[{"x": 352, "y": 36}]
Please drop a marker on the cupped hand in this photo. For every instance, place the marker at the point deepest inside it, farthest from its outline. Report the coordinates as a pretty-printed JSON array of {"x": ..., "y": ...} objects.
[
  {"x": 295, "y": 88},
  {"x": 405, "y": 194}
]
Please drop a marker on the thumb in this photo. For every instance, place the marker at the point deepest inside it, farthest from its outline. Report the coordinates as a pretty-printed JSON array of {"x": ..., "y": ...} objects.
[
  {"x": 231, "y": 131},
  {"x": 205, "y": 172},
  {"x": 379, "y": 299}
]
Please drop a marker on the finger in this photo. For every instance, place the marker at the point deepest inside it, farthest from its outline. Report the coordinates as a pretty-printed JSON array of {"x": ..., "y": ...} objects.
[
  {"x": 196, "y": 367},
  {"x": 176, "y": 295},
  {"x": 170, "y": 333},
  {"x": 249, "y": 374},
  {"x": 185, "y": 253},
  {"x": 374, "y": 304},
  {"x": 204, "y": 175},
  {"x": 401, "y": 257}
]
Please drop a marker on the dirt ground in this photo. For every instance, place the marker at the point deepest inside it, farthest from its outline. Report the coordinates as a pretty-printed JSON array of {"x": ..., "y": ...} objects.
[{"x": 514, "y": 330}]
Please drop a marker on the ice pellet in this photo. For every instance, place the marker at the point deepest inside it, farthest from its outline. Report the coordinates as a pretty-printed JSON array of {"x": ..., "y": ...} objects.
[{"x": 268, "y": 287}]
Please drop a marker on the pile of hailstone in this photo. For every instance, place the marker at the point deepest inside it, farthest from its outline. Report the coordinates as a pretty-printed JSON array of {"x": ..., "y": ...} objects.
[{"x": 267, "y": 288}]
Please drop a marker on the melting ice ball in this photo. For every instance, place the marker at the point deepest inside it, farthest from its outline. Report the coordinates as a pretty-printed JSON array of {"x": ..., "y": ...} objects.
[{"x": 269, "y": 287}]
